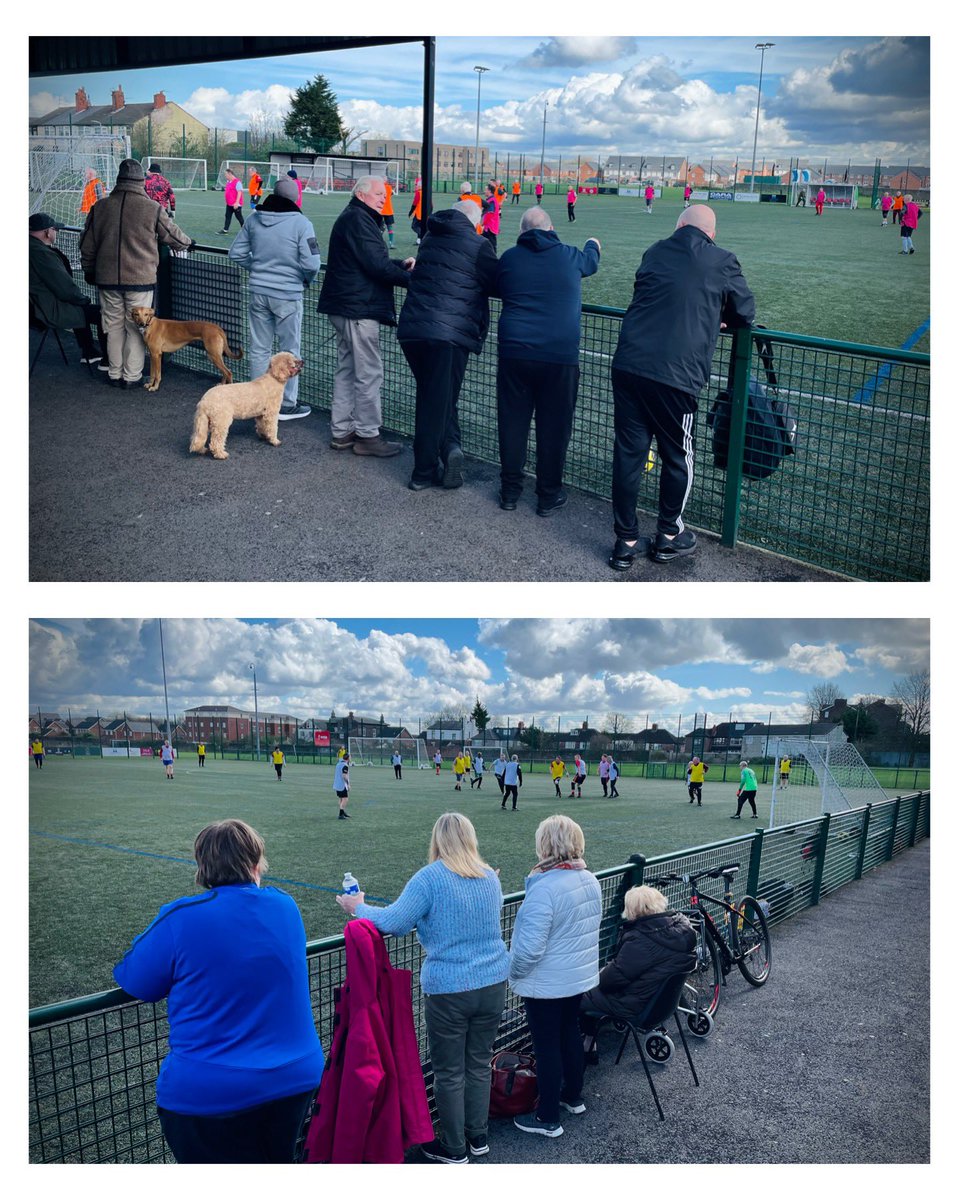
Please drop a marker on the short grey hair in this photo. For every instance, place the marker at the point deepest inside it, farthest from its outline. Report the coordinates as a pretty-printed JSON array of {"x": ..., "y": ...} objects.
[
  {"x": 535, "y": 218},
  {"x": 470, "y": 209},
  {"x": 362, "y": 185}
]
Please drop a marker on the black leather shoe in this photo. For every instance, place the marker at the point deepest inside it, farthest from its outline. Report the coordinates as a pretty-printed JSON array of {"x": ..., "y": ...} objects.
[
  {"x": 418, "y": 485},
  {"x": 665, "y": 549},
  {"x": 507, "y": 505},
  {"x": 547, "y": 510},
  {"x": 453, "y": 475},
  {"x": 623, "y": 555}
]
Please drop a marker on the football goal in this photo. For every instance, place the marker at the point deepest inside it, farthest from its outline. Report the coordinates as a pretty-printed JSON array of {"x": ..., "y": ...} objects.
[
  {"x": 243, "y": 170},
  {"x": 379, "y": 751},
  {"x": 60, "y": 168},
  {"x": 824, "y": 776},
  {"x": 340, "y": 174},
  {"x": 183, "y": 174}
]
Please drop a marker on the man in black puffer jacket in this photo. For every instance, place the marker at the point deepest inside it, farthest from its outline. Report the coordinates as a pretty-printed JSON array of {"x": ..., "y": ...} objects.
[
  {"x": 444, "y": 319},
  {"x": 357, "y": 296},
  {"x": 654, "y": 944}
]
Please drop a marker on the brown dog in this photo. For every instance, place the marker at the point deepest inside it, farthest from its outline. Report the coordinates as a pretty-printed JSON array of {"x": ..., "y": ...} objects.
[
  {"x": 166, "y": 336},
  {"x": 229, "y": 402}
]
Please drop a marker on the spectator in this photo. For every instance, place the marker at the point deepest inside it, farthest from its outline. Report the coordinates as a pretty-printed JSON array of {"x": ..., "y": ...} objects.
[
  {"x": 686, "y": 290},
  {"x": 654, "y": 944},
  {"x": 454, "y": 904},
  {"x": 159, "y": 189},
  {"x": 279, "y": 249},
  {"x": 512, "y": 781},
  {"x": 244, "y": 1056},
  {"x": 94, "y": 189},
  {"x": 233, "y": 195},
  {"x": 491, "y": 208},
  {"x": 748, "y": 787},
  {"x": 357, "y": 297},
  {"x": 56, "y": 299},
  {"x": 299, "y": 187},
  {"x": 554, "y": 959},
  {"x": 444, "y": 319},
  {"x": 537, "y": 374},
  {"x": 118, "y": 251}
]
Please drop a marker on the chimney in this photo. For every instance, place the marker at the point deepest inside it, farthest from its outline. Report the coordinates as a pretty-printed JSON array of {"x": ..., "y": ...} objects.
[
  {"x": 81, "y": 100},
  {"x": 118, "y": 100},
  {"x": 159, "y": 100}
]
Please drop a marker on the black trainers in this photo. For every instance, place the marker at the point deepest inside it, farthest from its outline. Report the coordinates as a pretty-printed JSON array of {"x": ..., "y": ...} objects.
[
  {"x": 507, "y": 503},
  {"x": 547, "y": 510},
  {"x": 294, "y": 413},
  {"x": 665, "y": 549},
  {"x": 435, "y": 1151},
  {"x": 453, "y": 475},
  {"x": 624, "y": 555},
  {"x": 530, "y": 1123},
  {"x": 477, "y": 1146}
]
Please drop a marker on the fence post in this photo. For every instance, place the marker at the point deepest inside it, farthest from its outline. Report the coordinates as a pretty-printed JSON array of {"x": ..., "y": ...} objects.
[
  {"x": 914, "y": 823},
  {"x": 755, "y": 863},
  {"x": 890, "y": 848},
  {"x": 739, "y": 398},
  {"x": 822, "y": 842},
  {"x": 862, "y": 841},
  {"x": 638, "y": 866}
]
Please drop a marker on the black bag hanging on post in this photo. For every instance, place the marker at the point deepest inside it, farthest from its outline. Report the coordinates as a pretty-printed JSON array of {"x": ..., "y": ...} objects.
[{"x": 771, "y": 427}]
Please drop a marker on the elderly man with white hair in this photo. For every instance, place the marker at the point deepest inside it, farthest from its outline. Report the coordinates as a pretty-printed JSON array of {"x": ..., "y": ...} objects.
[
  {"x": 540, "y": 283},
  {"x": 687, "y": 288},
  {"x": 357, "y": 296},
  {"x": 445, "y": 319}
]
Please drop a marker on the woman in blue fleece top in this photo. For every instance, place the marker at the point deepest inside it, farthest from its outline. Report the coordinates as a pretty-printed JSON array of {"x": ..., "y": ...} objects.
[
  {"x": 454, "y": 904},
  {"x": 244, "y": 1057}
]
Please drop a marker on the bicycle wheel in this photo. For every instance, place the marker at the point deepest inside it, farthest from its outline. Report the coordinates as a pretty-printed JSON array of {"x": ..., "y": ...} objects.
[
  {"x": 702, "y": 988},
  {"x": 754, "y": 957}
]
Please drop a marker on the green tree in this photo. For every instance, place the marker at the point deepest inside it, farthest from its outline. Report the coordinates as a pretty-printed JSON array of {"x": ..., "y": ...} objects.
[
  {"x": 532, "y": 736},
  {"x": 858, "y": 724},
  {"x": 314, "y": 118},
  {"x": 479, "y": 716}
]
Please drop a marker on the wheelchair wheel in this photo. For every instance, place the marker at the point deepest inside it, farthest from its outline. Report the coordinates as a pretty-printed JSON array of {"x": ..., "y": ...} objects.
[
  {"x": 700, "y": 1024},
  {"x": 658, "y": 1046}
]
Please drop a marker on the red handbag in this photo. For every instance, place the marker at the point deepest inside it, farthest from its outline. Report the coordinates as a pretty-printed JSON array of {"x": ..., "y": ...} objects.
[{"x": 513, "y": 1087}]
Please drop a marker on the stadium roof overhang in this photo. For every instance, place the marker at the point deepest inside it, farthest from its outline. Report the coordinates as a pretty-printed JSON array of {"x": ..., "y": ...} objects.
[{"x": 70, "y": 55}]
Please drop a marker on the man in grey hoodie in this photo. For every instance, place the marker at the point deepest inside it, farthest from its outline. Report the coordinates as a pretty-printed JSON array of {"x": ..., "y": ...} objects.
[{"x": 278, "y": 246}]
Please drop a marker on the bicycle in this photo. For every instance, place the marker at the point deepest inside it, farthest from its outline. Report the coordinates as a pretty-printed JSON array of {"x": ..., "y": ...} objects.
[{"x": 741, "y": 939}]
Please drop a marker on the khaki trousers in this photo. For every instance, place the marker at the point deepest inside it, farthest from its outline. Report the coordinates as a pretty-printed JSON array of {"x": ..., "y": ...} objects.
[{"x": 126, "y": 349}]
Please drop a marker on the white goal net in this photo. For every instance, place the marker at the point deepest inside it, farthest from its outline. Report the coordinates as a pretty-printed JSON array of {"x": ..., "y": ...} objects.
[
  {"x": 60, "y": 167},
  {"x": 341, "y": 174},
  {"x": 182, "y": 174},
  {"x": 379, "y": 751},
  {"x": 243, "y": 169},
  {"x": 824, "y": 776}
]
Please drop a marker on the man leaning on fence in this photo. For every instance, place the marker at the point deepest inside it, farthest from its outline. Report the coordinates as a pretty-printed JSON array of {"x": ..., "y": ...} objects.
[
  {"x": 278, "y": 247},
  {"x": 119, "y": 254},
  {"x": 687, "y": 289},
  {"x": 357, "y": 296}
]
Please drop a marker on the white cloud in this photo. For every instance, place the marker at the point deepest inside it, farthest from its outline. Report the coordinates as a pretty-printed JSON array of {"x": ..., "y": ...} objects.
[{"x": 218, "y": 107}]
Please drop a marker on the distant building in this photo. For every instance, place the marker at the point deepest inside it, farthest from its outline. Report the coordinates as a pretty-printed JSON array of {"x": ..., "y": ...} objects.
[{"x": 160, "y": 123}]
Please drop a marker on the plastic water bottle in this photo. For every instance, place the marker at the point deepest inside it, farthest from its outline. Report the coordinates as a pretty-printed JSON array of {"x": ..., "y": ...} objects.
[{"x": 350, "y": 886}]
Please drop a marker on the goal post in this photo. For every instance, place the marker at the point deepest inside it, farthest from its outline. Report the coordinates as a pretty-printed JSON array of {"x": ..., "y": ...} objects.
[
  {"x": 340, "y": 174},
  {"x": 243, "y": 169},
  {"x": 59, "y": 167},
  {"x": 824, "y": 776},
  {"x": 379, "y": 751},
  {"x": 183, "y": 174}
]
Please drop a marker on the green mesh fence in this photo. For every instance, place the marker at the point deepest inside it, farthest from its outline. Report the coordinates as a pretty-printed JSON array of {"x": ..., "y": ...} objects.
[
  {"x": 94, "y": 1061},
  {"x": 853, "y": 499}
]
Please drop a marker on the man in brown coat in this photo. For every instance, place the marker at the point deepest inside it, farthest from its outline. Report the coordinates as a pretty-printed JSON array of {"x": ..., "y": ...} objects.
[{"x": 119, "y": 254}]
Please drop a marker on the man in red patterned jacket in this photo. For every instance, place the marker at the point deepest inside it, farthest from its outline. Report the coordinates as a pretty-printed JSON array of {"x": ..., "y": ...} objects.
[{"x": 159, "y": 189}]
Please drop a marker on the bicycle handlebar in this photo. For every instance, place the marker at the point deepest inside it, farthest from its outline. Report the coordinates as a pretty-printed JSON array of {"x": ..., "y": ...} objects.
[{"x": 709, "y": 873}]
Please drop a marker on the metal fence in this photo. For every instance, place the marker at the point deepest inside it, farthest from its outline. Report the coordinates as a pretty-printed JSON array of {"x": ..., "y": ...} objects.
[
  {"x": 94, "y": 1061},
  {"x": 853, "y": 499}
]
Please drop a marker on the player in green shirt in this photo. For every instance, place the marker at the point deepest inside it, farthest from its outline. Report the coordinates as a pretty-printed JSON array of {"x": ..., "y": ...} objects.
[{"x": 747, "y": 790}]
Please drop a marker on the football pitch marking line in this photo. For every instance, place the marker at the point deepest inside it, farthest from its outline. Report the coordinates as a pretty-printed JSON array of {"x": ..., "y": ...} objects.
[
  {"x": 864, "y": 395},
  {"x": 314, "y": 887}
]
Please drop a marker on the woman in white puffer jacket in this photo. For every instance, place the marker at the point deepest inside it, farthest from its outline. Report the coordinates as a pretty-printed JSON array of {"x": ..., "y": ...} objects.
[{"x": 554, "y": 958}]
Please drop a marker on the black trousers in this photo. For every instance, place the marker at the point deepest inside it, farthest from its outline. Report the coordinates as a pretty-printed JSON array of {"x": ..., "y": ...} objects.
[
  {"x": 265, "y": 1134},
  {"x": 548, "y": 391},
  {"x": 695, "y": 792},
  {"x": 743, "y": 797},
  {"x": 644, "y": 409},
  {"x": 278, "y": 767},
  {"x": 438, "y": 368},
  {"x": 490, "y": 237},
  {"x": 510, "y": 789},
  {"x": 612, "y": 788},
  {"x": 232, "y": 212},
  {"x": 571, "y": 211},
  {"x": 558, "y": 1046},
  {"x": 605, "y": 783},
  {"x": 499, "y": 780},
  {"x": 84, "y": 336},
  {"x": 398, "y": 771}
]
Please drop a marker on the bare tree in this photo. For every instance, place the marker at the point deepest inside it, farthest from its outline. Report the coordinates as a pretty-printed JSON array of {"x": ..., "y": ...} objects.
[
  {"x": 263, "y": 128},
  {"x": 616, "y": 722},
  {"x": 914, "y": 694},
  {"x": 820, "y": 696},
  {"x": 349, "y": 138}
]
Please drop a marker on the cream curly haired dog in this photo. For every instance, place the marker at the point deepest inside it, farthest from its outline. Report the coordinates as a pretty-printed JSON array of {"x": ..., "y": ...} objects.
[{"x": 229, "y": 402}]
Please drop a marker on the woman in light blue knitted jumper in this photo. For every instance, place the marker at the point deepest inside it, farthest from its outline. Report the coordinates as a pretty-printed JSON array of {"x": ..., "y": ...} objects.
[{"x": 454, "y": 904}]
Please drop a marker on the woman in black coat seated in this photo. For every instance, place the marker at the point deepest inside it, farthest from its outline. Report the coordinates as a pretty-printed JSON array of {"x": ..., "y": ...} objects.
[{"x": 654, "y": 944}]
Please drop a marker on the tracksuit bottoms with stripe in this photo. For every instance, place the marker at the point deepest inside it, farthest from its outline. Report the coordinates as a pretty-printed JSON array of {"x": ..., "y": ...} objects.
[{"x": 644, "y": 409}]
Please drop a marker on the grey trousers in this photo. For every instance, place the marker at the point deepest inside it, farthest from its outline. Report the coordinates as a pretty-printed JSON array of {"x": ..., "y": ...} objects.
[
  {"x": 356, "y": 404},
  {"x": 271, "y": 317},
  {"x": 461, "y": 1027}
]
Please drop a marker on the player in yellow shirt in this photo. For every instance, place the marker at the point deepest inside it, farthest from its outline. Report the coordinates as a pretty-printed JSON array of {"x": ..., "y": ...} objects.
[
  {"x": 697, "y": 774},
  {"x": 278, "y": 760},
  {"x": 459, "y": 770},
  {"x": 36, "y": 749},
  {"x": 201, "y": 753},
  {"x": 785, "y": 766},
  {"x": 557, "y": 769}
]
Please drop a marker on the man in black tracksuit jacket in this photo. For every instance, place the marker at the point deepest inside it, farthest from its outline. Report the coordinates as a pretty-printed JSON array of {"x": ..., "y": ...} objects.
[{"x": 686, "y": 289}]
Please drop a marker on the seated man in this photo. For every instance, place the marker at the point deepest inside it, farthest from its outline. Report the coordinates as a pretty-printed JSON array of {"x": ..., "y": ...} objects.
[
  {"x": 56, "y": 298},
  {"x": 654, "y": 944}
]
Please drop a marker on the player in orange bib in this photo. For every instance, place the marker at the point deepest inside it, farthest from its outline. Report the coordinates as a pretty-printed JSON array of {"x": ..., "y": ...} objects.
[{"x": 386, "y": 212}]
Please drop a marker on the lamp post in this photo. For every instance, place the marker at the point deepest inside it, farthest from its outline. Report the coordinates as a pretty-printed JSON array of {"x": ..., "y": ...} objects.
[
  {"x": 256, "y": 711},
  {"x": 762, "y": 47},
  {"x": 479, "y": 81}
]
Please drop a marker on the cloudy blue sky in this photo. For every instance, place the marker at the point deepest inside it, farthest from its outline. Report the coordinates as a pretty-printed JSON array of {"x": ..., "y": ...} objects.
[
  {"x": 541, "y": 670},
  {"x": 858, "y": 97}
]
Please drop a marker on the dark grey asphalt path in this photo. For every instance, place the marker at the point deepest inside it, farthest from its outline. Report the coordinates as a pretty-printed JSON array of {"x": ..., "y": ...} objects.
[
  {"x": 827, "y": 1063},
  {"x": 115, "y": 496}
]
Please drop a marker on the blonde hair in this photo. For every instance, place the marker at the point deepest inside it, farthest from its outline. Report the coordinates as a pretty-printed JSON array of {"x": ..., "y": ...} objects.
[
  {"x": 641, "y": 901},
  {"x": 559, "y": 838},
  {"x": 453, "y": 842}
]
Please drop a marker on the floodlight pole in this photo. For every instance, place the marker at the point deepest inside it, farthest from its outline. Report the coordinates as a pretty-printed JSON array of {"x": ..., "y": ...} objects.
[
  {"x": 256, "y": 711},
  {"x": 166, "y": 702},
  {"x": 479, "y": 81},
  {"x": 542, "y": 153},
  {"x": 762, "y": 47}
]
